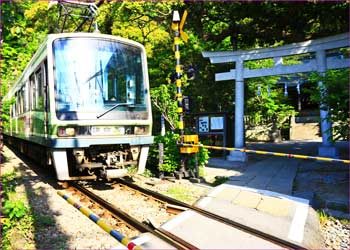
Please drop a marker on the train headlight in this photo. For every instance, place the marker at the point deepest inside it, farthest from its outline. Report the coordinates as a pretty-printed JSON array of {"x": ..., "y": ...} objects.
[
  {"x": 140, "y": 130},
  {"x": 63, "y": 131},
  {"x": 120, "y": 130}
]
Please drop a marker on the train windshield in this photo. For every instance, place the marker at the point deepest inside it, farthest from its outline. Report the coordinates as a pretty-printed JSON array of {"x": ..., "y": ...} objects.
[{"x": 94, "y": 75}]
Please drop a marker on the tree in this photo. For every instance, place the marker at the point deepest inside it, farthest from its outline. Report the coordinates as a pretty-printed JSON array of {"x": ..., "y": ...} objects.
[
  {"x": 164, "y": 100},
  {"x": 333, "y": 96},
  {"x": 211, "y": 26}
]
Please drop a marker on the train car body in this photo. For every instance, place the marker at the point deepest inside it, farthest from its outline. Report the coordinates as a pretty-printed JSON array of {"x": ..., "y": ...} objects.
[{"x": 83, "y": 106}]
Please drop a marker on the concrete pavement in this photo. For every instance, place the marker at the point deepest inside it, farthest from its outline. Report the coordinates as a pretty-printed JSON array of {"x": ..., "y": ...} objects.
[
  {"x": 320, "y": 182},
  {"x": 283, "y": 216}
]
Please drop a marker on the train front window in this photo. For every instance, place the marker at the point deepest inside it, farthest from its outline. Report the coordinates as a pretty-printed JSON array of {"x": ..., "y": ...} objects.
[{"x": 93, "y": 75}]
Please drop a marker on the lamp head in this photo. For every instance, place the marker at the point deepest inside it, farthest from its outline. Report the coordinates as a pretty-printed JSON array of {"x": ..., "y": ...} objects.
[{"x": 176, "y": 16}]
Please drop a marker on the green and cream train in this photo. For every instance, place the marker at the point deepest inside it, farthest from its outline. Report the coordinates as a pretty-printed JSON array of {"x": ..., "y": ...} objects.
[{"x": 82, "y": 105}]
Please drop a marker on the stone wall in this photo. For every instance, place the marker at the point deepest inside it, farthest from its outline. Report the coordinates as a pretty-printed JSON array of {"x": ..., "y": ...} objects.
[
  {"x": 304, "y": 129},
  {"x": 300, "y": 129},
  {"x": 263, "y": 133}
]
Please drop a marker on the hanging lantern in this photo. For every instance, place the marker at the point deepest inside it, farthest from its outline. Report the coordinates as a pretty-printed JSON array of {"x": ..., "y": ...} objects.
[
  {"x": 285, "y": 90},
  {"x": 259, "y": 90},
  {"x": 298, "y": 88}
]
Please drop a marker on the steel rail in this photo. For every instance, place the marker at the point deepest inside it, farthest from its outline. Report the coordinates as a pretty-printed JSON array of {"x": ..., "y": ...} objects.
[
  {"x": 162, "y": 234},
  {"x": 244, "y": 150},
  {"x": 211, "y": 215}
]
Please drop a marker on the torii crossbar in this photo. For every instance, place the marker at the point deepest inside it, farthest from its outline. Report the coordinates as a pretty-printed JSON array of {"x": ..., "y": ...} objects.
[{"x": 320, "y": 62}]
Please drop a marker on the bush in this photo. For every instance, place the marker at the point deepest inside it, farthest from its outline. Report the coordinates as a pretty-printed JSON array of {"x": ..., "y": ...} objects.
[{"x": 172, "y": 155}]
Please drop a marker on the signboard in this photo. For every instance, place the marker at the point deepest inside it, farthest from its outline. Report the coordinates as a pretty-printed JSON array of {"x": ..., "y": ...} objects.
[
  {"x": 203, "y": 124},
  {"x": 212, "y": 127},
  {"x": 207, "y": 124},
  {"x": 217, "y": 123}
]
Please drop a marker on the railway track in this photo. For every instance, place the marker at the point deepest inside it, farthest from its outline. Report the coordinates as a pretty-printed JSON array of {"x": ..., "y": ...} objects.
[
  {"x": 87, "y": 196},
  {"x": 172, "y": 206}
]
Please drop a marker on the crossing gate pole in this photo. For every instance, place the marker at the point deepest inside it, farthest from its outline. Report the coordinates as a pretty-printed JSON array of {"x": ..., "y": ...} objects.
[
  {"x": 185, "y": 152},
  {"x": 176, "y": 28}
]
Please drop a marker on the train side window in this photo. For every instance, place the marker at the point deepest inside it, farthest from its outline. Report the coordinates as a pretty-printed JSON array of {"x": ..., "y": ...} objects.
[
  {"x": 45, "y": 85},
  {"x": 18, "y": 111},
  {"x": 21, "y": 100},
  {"x": 32, "y": 91},
  {"x": 39, "y": 88},
  {"x": 14, "y": 107},
  {"x": 26, "y": 97}
]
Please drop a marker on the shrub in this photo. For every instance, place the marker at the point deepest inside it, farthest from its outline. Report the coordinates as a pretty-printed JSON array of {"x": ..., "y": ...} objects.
[{"x": 172, "y": 155}]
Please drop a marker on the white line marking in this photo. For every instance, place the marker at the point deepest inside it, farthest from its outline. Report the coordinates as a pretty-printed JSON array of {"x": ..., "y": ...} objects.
[
  {"x": 177, "y": 220},
  {"x": 141, "y": 240},
  {"x": 296, "y": 230},
  {"x": 216, "y": 190},
  {"x": 204, "y": 202}
]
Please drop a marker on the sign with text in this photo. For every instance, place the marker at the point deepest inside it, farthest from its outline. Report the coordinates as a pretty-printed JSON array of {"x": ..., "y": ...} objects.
[
  {"x": 203, "y": 124},
  {"x": 217, "y": 123}
]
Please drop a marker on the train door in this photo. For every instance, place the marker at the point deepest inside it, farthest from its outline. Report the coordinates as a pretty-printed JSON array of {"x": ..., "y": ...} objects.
[
  {"x": 27, "y": 109},
  {"x": 45, "y": 96},
  {"x": 39, "y": 117},
  {"x": 16, "y": 113},
  {"x": 31, "y": 102}
]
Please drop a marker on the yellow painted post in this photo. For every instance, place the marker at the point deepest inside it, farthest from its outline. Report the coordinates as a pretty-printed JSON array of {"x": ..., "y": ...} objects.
[{"x": 176, "y": 28}]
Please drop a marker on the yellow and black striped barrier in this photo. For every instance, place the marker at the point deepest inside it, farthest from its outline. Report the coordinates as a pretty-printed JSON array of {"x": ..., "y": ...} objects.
[
  {"x": 118, "y": 236},
  {"x": 244, "y": 150}
]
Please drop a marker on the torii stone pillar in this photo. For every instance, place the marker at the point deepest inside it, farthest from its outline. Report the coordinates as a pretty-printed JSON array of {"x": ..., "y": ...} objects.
[
  {"x": 239, "y": 114},
  {"x": 326, "y": 149}
]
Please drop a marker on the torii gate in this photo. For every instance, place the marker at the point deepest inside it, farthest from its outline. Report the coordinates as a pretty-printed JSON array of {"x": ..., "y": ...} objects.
[{"x": 320, "y": 63}]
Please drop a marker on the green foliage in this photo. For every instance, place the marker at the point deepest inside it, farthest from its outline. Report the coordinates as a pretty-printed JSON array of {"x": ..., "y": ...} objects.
[
  {"x": 5, "y": 114},
  {"x": 164, "y": 100},
  {"x": 14, "y": 209},
  {"x": 147, "y": 173},
  {"x": 25, "y": 25},
  {"x": 202, "y": 159},
  {"x": 220, "y": 180},
  {"x": 180, "y": 193},
  {"x": 16, "y": 215},
  {"x": 171, "y": 152},
  {"x": 323, "y": 217},
  {"x": 333, "y": 95},
  {"x": 274, "y": 105},
  {"x": 172, "y": 156},
  {"x": 9, "y": 182}
]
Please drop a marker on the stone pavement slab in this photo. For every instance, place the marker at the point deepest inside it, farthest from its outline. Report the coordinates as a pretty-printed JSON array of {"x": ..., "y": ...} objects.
[
  {"x": 207, "y": 233},
  {"x": 286, "y": 217},
  {"x": 270, "y": 174}
]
